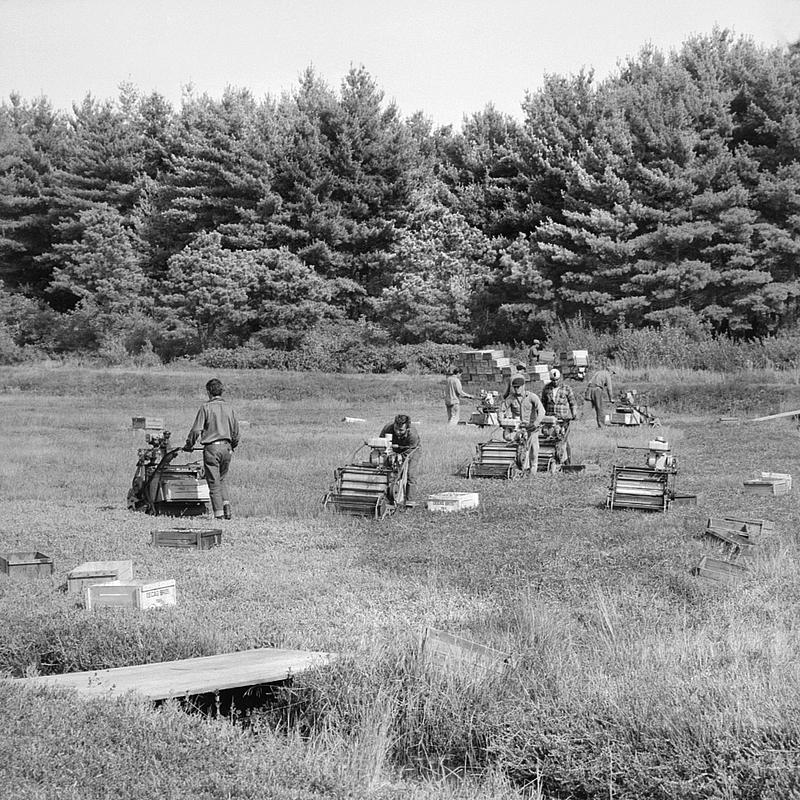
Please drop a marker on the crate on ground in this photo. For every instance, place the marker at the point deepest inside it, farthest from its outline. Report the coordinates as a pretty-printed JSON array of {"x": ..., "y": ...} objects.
[
  {"x": 780, "y": 477},
  {"x": 147, "y": 423},
  {"x": 720, "y": 569},
  {"x": 683, "y": 499},
  {"x": 444, "y": 649},
  {"x": 191, "y": 538},
  {"x": 26, "y": 564},
  {"x": 92, "y": 572},
  {"x": 140, "y": 595},
  {"x": 770, "y": 484},
  {"x": 453, "y": 501}
]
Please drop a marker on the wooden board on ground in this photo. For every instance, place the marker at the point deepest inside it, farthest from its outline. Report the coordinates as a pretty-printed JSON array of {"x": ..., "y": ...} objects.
[
  {"x": 189, "y": 676},
  {"x": 448, "y": 650},
  {"x": 776, "y": 416}
]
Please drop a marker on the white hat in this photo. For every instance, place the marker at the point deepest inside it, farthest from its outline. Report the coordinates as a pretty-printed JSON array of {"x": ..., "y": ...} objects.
[{"x": 554, "y": 374}]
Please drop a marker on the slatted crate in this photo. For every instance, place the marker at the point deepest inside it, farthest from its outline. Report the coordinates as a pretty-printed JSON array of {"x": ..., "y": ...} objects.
[
  {"x": 190, "y": 538},
  {"x": 767, "y": 488},
  {"x": 453, "y": 501},
  {"x": 147, "y": 423},
  {"x": 92, "y": 572},
  {"x": 26, "y": 564},
  {"x": 130, "y": 594},
  {"x": 720, "y": 569}
]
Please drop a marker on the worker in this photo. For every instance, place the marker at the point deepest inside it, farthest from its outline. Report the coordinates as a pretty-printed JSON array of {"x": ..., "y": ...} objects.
[
  {"x": 535, "y": 351},
  {"x": 406, "y": 442},
  {"x": 559, "y": 402},
  {"x": 452, "y": 395},
  {"x": 522, "y": 371},
  {"x": 218, "y": 431},
  {"x": 528, "y": 409},
  {"x": 598, "y": 389}
]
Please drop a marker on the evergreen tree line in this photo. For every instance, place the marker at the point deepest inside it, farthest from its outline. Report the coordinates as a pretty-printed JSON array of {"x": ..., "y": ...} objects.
[{"x": 665, "y": 195}]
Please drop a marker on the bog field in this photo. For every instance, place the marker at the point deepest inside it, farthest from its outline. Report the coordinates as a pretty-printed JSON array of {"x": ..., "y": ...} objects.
[{"x": 631, "y": 677}]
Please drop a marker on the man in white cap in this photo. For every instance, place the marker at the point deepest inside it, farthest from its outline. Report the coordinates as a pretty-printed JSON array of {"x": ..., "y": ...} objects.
[{"x": 559, "y": 402}]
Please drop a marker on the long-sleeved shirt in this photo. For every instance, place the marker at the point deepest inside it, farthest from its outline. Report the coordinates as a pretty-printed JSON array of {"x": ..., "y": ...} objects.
[
  {"x": 559, "y": 400},
  {"x": 215, "y": 422},
  {"x": 402, "y": 444},
  {"x": 602, "y": 380},
  {"x": 526, "y": 407},
  {"x": 453, "y": 391}
]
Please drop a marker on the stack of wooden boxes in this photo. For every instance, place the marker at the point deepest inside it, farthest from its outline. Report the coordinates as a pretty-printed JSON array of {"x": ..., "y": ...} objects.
[
  {"x": 484, "y": 368},
  {"x": 574, "y": 363}
]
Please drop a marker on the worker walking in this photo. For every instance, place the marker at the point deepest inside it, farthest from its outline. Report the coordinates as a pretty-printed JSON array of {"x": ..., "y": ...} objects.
[
  {"x": 528, "y": 409},
  {"x": 406, "y": 442},
  {"x": 598, "y": 388},
  {"x": 452, "y": 395},
  {"x": 218, "y": 431}
]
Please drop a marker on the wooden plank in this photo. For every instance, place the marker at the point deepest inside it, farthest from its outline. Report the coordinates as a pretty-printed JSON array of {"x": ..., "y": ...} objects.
[
  {"x": 189, "y": 676},
  {"x": 776, "y": 416}
]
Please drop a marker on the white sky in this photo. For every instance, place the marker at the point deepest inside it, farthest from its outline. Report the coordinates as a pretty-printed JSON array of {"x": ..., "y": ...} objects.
[{"x": 445, "y": 58}]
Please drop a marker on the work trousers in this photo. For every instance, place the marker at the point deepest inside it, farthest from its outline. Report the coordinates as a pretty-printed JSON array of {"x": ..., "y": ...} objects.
[
  {"x": 216, "y": 460},
  {"x": 453, "y": 412},
  {"x": 413, "y": 460},
  {"x": 596, "y": 397},
  {"x": 530, "y": 458}
]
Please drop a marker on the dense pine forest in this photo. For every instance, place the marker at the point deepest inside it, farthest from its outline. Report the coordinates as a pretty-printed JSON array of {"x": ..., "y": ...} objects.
[{"x": 667, "y": 194}]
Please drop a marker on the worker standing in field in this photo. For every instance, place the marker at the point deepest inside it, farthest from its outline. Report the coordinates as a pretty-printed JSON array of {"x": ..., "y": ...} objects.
[
  {"x": 528, "y": 409},
  {"x": 559, "y": 402},
  {"x": 453, "y": 393},
  {"x": 406, "y": 442},
  {"x": 218, "y": 431},
  {"x": 598, "y": 389}
]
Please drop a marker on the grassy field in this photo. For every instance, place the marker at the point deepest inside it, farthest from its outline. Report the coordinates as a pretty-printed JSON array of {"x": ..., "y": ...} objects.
[{"x": 632, "y": 677}]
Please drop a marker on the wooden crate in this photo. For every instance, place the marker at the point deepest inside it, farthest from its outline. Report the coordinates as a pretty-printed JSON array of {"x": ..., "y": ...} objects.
[
  {"x": 453, "y": 501},
  {"x": 719, "y": 569},
  {"x": 147, "y": 423},
  {"x": 766, "y": 487},
  {"x": 27, "y": 564},
  {"x": 92, "y": 572},
  {"x": 781, "y": 477},
  {"x": 130, "y": 594},
  {"x": 683, "y": 499},
  {"x": 448, "y": 650},
  {"x": 192, "y": 538}
]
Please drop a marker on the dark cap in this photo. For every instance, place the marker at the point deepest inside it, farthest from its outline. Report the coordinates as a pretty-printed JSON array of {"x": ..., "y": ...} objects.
[{"x": 518, "y": 381}]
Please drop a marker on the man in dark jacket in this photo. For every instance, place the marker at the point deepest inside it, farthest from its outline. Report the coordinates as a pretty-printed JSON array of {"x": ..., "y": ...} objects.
[
  {"x": 218, "y": 431},
  {"x": 406, "y": 442},
  {"x": 597, "y": 390}
]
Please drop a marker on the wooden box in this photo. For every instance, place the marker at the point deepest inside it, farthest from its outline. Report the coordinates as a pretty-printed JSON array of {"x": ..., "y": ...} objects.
[
  {"x": 766, "y": 487},
  {"x": 719, "y": 569},
  {"x": 183, "y": 488},
  {"x": 682, "y": 499},
  {"x": 448, "y": 650},
  {"x": 453, "y": 501},
  {"x": 130, "y": 594},
  {"x": 780, "y": 477},
  {"x": 26, "y": 564},
  {"x": 147, "y": 423},
  {"x": 98, "y": 572},
  {"x": 193, "y": 538}
]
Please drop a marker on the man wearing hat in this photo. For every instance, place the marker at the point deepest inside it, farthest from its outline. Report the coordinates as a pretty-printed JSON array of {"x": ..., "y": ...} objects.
[
  {"x": 528, "y": 409},
  {"x": 559, "y": 402},
  {"x": 522, "y": 372}
]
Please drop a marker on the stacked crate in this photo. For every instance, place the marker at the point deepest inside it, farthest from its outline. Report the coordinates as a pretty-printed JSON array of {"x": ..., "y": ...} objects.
[
  {"x": 574, "y": 363},
  {"x": 481, "y": 368}
]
